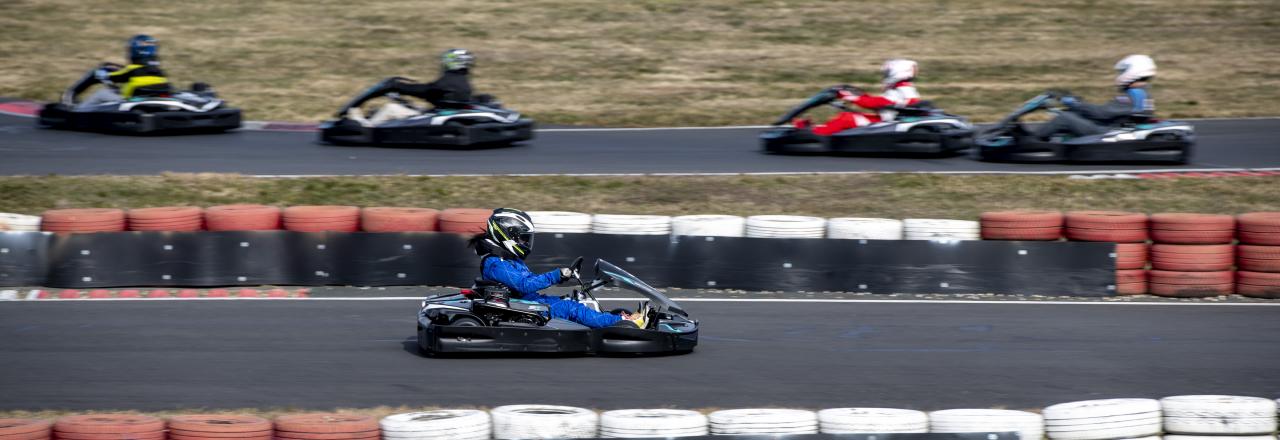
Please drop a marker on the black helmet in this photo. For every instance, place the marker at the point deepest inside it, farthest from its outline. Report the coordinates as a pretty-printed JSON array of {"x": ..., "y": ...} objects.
[
  {"x": 510, "y": 233},
  {"x": 457, "y": 59},
  {"x": 142, "y": 49}
]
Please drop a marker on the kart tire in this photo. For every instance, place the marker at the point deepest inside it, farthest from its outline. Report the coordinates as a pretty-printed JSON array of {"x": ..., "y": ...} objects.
[
  {"x": 1107, "y": 235},
  {"x": 466, "y": 321}
]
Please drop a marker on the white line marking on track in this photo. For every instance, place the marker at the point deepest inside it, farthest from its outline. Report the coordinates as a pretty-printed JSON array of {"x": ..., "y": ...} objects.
[{"x": 691, "y": 300}]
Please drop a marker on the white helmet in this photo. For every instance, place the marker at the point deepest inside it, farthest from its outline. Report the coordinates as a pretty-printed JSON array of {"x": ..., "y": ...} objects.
[
  {"x": 898, "y": 70},
  {"x": 1133, "y": 68}
]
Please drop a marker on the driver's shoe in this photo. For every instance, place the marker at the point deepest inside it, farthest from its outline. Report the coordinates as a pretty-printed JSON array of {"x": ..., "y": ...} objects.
[{"x": 641, "y": 317}]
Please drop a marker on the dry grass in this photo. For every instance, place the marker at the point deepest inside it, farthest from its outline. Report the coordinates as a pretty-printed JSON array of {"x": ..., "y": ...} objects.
[
  {"x": 659, "y": 62},
  {"x": 877, "y": 195}
]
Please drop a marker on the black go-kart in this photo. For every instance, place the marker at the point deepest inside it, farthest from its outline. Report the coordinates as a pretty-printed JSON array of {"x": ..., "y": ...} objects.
[
  {"x": 918, "y": 129},
  {"x": 454, "y": 124},
  {"x": 193, "y": 111},
  {"x": 485, "y": 319},
  {"x": 1144, "y": 140}
]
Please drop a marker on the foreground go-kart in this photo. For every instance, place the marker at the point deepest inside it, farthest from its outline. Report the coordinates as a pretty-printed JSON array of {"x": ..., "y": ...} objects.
[
  {"x": 485, "y": 319},
  {"x": 196, "y": 111},
  {"x": 1138, "y": 141},
  {"x": 480, "y": 123},
  {"x": 919, "y": 129}
]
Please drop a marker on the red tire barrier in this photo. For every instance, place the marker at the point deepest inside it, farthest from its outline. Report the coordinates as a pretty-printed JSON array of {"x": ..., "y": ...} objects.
[
  {"x": 386, "y": 219},
  {"x": 464, "y": 220},
  {"x": 1255, "y": 258},
  {"x": 327, "y": 427},
  {"x": 1259, "y": 228},
  {"x": 25, "y": 429},
  {"x": 1192, "y": 258},
  {"x": 1258, "y": 284},
  {"x": 170, "y": 218},
  {"x": 109, "y": 427},
  {"x": 1191, "y": 284},
  {"x": 219, "y": 427},
  {"x": 1112, "y": 235},
  {"x": 1022, "y": 225},
  {"x": 317, "y": 218},
  {"x": 1131, "y": 282},
  {"x": 1113, "y": 226},
  {"x": 1130, "y": 256},
  {"x": 242, "y": 218},
  {"x": 83, "y": 220}
]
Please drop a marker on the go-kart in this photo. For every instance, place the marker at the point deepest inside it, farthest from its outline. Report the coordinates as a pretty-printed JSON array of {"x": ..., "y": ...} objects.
[
  {"x": 194, "y": 111},
  {"x": 481, "y": 123},
  {"x": 485, "y": 319},
  {"x": 918, "y": 129},
  {"x": 1140, "y": 140}
]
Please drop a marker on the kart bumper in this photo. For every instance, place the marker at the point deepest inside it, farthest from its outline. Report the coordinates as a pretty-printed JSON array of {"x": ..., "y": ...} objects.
[
  {"x": 1028, "y": 151},
  {"x": 784, "y": 139},
  {"x": 446, "y": 339},
  {"x": 59, "y": 116},
  {"x": 348, "y": 132}
]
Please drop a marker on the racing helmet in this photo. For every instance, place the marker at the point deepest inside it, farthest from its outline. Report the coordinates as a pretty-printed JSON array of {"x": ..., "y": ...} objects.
[
  {"x": 142, "y": 49},
  {"x": 1134, "y": 68},
  {"x": 510, "y": 230},
  {"x": 898, "y": 70},
  {"x": 457, "y": 59}
]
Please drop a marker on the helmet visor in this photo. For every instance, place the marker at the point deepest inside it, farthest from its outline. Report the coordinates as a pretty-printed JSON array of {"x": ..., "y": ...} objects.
[{"x": 525, "y": 239}]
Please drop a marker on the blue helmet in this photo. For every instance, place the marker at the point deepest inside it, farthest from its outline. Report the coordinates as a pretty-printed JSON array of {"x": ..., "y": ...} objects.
[{"x": 142, "y": 49}]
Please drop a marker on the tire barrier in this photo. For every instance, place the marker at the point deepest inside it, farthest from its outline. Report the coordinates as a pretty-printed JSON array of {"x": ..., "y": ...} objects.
[
  {"x": 242, "y": 218},
  {"x": 458, "y": 424},
  {"x": 1131, "y": 282},
  {"x": 390, "y": 219},
  {"x": 1190, "y": 284},
  {"x": 561, "y": 222},
  {"x": 940, "y": 229},
  {"x": 19, "y": 222},
  {"x": 109, "y": 427},
  {"x": 320, "y": 218},
  {"x": 872, "y": 421},
  {"x": 466, "y": 221},
  {"x": 1218, "y": 415},
  {"x": 1112, "y": 226},
  {"x": 327, "y": 426},
  {"x": 763, "y": 421},
  {"x": 785, "y": 226},
  {"x": 1258, "y": 284},
  {"x": 1184, "y": 228},
  {"x": 219, "y": 427},
  {"x": 169, "y": 218},
  {"x": 25, "y": 429},
  {"x": 83, "y": 220},
  {"x": 857, "y": 228},
  {"x": 1022, "y": 225},
  {"x": 709, "y": 225},
  {"x": 1259, "y": 228},
  {"x": 649, "y": 423},
  {"x": 619, "y": 224},
  {"x": 1028, "y": 425},
  {"x": 1192, "y": 257},
  {"x": 1256, "y": 258},
  {"x": 543, "y": 422},
  {"x": 1103, "y": 419}
]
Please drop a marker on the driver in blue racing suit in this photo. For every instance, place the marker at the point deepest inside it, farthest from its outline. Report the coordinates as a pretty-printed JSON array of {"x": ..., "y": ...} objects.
[
  {"x": 1133, "y": 104},
  {"x": 507, "y": 240}
]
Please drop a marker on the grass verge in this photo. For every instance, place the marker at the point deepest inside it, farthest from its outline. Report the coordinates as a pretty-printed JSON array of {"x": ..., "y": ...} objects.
[
  {"x": 662, "y": 62},
  {"x": 855, "y": 195}
]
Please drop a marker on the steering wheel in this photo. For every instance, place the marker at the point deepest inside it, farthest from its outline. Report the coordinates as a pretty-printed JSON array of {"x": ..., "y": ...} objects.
[{"x": 575, "y": 268}]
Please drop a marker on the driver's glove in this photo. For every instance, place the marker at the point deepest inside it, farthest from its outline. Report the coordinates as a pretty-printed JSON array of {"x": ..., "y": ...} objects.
[
  {"x": 1070, "y": 101},
  {"x": 102, "y": 75},
  {"x": 567, "y": 273}
]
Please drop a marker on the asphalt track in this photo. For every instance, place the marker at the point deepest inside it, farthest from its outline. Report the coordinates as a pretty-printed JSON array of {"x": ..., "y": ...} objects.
[
  {"x": 27, "y": 150},
  {"x": 319, "y": 354}
]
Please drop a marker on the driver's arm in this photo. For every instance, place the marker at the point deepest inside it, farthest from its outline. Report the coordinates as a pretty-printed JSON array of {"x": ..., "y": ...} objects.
[
  {"x": 517, "y": 276},
  {"x": 430, "y": 92}
]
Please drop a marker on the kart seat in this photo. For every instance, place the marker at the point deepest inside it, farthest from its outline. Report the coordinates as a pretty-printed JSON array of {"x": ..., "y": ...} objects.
[{"x": 920, "y": 108}]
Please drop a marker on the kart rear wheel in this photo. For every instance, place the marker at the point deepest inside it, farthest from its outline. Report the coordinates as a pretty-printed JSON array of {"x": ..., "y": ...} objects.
[{"x": 466, "y": 321}]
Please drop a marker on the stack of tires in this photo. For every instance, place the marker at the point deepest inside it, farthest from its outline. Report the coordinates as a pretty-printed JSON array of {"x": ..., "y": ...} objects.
[
  {"x": 219, "y": 427},
  {"x": 561, "y": 222},
  {"x": 872, "y": 421},
  {"x": 1028, "y": 425},
  {"x": 652, "y": 423},
  {"x": 857, "y": 228},
  {"x": 109, "y": 427},
  {"x": 25, "y": 429},
  {"x": 1022, "y": 225},
  {"x": 786, "y": 226},
  {"x": 19, "y": 222},
  {"x": 326, "y": 426},
  {"x": 1218, "y": 418},
  {"x": 543, "y": 422},
  {"x": 620, "y": 224},
  {"x": 940, "y": 229},
  {"x": 1258, "y": 255},
  {"x": 763, "y": 422},
  {"x": 169, "y": 218},
  {"x": 709, "y": 225},
  {"x": 1103, "y": 419},
  {"x": 390, "y": 219},
  {"x": 1128, "y": 230},
  {"x": 244, "y": 217},
  {"x": 1192, "y": 255},
  {"x": 463, "y": 424},
  {"x": 321, "y": 218},
  {"x": 468, "y": 221},
  {"x": 83, "y": 220}
]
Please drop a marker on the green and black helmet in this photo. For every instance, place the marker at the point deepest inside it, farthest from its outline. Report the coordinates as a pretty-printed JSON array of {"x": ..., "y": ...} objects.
[
  {"x": 457, "y": 59},
  {"x": 510, "y": 230}
]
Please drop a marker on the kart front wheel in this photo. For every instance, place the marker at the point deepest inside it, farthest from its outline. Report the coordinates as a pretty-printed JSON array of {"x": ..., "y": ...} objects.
[{"x": 466, "y": 321}]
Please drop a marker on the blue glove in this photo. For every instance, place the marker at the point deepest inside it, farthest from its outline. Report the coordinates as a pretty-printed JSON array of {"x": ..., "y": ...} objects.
[
  {"x": 102, "y": 75},
  {"x": 1070, "y": 101}
]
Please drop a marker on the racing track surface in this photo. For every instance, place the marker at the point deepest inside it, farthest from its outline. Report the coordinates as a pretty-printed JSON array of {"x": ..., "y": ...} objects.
[
  {"x": 29, "y": 150},
  {"x": 325, "y": 354}
]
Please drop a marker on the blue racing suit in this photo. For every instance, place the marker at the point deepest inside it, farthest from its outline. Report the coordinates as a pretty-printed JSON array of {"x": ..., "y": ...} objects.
[{"x": 523, "y": 282}]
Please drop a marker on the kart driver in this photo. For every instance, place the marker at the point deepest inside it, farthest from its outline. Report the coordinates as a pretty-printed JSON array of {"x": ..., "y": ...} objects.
[
  {"x": 898, "y": 92},
  {"x": 1135, "y": 73},
  {"x": 503, "y": 246},
  {"x": 451, "y": 89},
  {"x": 141, "y": 77}
]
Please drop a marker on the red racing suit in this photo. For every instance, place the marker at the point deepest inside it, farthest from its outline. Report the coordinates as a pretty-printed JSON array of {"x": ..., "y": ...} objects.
[{"x": 899, "y": 95}]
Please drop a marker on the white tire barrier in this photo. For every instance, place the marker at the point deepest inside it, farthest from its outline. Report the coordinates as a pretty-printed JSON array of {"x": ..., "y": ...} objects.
[
  {"x": 763, "y": 421},
  {"x": 1103, "y": 419},
  {"x": 19, "y": 222},
  {"x": 561, "y": 221},
  {"x": 872, "y": 421},
  {"x": 543, "y": 422},
  {"x": 1218, "y": 415},
  {"x": 864, "y": 228},
  {"x": 786, "y": 226},
  {"x": 1028, "y": 425},
  {"x": 709, "y": 225},
  {"x": 466, "y": 424},
  {"x": 641, "y": 423},
  {"x": 940, "y": 229},
  {"x": 631, "y": 224},
  {"x": 1219, "y": 437}
]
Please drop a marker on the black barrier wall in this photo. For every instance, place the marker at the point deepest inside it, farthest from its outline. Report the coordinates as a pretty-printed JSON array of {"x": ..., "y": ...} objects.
[{"x": 427, "y": 258}]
